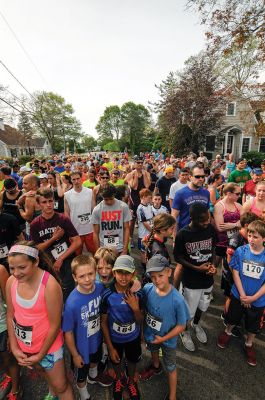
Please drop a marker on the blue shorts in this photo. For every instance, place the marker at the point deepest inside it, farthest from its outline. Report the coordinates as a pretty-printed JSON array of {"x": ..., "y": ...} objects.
[
  {"x": 50, "y": 359},
  {"x": 168, "y": 354}
]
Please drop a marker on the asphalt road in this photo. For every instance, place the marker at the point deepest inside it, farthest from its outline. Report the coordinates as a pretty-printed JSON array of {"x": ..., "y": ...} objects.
[{"x": 207, "y": 374}]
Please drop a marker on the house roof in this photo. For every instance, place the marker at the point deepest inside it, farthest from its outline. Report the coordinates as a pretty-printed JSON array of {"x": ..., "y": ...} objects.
[
  {"x": 12, "y": 136},
  {"x": 38, "y": 142},
  {"x": 230, "y": 128}
]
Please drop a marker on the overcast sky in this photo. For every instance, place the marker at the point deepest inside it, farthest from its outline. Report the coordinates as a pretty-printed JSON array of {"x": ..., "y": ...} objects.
[{"x": 96, "y": 53}]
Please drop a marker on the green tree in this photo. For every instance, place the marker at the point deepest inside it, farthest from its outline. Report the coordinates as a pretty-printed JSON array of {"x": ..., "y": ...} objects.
[
  {"x": 25, "y": 126},
  {"x": 109, "y": 125},
  {"x": 88, "y": 142}
]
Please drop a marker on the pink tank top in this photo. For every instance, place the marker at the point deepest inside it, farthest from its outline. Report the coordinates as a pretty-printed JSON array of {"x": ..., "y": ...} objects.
[
  {"x": 232, "y": 217},
  {"x": 254, "y": 209},
  {"x": 31, "y": 324}
]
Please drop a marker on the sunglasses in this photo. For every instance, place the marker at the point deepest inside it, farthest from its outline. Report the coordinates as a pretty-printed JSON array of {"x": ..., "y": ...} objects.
[
  {"x": 199, "y": 176},
  {"x": 104, "y": 177},
  {"x": 139, "y": 162},
  {"x": 237, "y": 193},
  {"x": 115, "y": 173}
]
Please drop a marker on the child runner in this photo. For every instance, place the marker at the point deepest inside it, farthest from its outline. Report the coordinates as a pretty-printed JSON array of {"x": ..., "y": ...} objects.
[
  {"x": 34, "y": 310},
  {"x": 166, "y": 317},
  {"x": 248, "y": 290},
  {"x": 120, "y": 320},
  {"x": 105, "y": 258},
  {"x": 145, "y": 220},
  {"x": 81, "y": 324},
  {"x": 10, "y": 377},
  {"x": 157, "y": 206},
  {"x": 194, "y": 249}
]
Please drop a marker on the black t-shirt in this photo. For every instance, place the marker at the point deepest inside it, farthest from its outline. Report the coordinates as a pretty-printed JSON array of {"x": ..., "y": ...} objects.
[
  {"x": 9, "y": 232},
  {"x": 195, "y": 246},
  {"x": 164, "y": 184}
]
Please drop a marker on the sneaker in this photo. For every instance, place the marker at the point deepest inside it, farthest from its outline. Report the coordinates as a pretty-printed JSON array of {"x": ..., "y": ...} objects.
[
  {"x": 133, "y": 390},
  {"x": 200, "y": 333},
  {"x": 251, "y": 356},
  {"x": 102, "y": 379},
  {"x": 118, "y": 389},
  {"x": 223, "y": 340},
  {"x": 150, "y": 371},
  {"x": 187, "y": 341},
  {"x": 5, "y": 385}
]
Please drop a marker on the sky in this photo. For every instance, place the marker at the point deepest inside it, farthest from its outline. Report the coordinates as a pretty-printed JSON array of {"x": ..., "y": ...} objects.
[{"x": 96, "y": 53}]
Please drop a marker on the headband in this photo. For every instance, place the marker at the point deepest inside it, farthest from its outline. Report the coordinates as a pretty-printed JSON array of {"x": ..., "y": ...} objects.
[{"x": 29, "y": 251}]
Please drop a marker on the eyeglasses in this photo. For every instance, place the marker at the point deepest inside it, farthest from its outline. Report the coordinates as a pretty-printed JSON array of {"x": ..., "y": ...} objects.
[
  {"x": 199, "y": 176},
  {"x": 237, "y": 193},
  {"x": 104, "y": 177}
]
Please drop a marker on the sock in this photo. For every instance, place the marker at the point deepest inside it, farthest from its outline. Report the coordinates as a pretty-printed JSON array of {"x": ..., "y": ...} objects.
[
  {"x": 83, "y": 393},
  {"x": 104, "y": 353},
  {"x": 93, "y": 372}
]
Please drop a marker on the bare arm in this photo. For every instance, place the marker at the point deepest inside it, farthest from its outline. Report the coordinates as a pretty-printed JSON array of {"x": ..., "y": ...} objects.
[
  {"x": 219, "y": 219},
  {"x": 66, "y": 208},
  {"x": 70, "y": 343},
  {"x": 3, "y": 279},
  {"x": 96, "y": 236},
  {"x": 105, "y": 329},
  {"x": 126, "y": 237},
  {"x": 246, "y": 207},
  {"x": 28, "y": 213},
  {"x": 171, "y": 334},
  {"x": 147, "y": 179}
]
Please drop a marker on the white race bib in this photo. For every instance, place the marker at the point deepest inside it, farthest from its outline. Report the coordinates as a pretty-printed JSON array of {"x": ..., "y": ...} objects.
[
  {"x": 167, "y": 197},
  {"x": 23, "y": 333},
  {"x": 59, "y": 250},
  {"x": 252, "y": 270},
  {"x": 93, "y": 325},
  {"x": 84, "y": 218},
  {"x": 111, "y": 240},
  {"x": 3, "y": 251},
  {"x": 123, "y": 329},
  {"x": 231, "y": 232},
  {"x": 56, "y": 205},
  {"x": 153, "y": 322},
  {"x": 151, "y": 222}
]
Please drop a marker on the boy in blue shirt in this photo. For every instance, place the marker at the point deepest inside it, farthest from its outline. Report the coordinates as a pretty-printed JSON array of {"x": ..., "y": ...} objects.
[
  {"x": 121, "y": 317},
  {"x": 248, "y": 290},
  {"x": 81, "y": 324},
  {"x": 166, "y": 317}
]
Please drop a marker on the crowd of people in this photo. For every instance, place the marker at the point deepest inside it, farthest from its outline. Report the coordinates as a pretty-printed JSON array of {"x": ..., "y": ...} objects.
[{"x": 68, "y": 278}]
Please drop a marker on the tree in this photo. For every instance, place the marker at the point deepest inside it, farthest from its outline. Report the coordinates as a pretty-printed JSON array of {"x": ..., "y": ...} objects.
[
  {"x": 24, "y": 125},
  {"x": 232, "y": 23},
  {"x": 109, "y": 125},
  {"x": 194, "y": 109},
  {"x": 88, "y": 142}
]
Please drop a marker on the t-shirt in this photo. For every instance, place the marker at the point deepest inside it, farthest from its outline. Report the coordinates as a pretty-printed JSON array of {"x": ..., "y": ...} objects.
[
  {"x": 89, "y": 184},
  {"x": 59, "y": 169},
  {"x": 184, "y": 198},
  {"x": 249, "y": 189},
  {"x": 42, "y": 229},
  {"x": 9, "y": 232},
  {"x": 175, "y": 188},
  {"x": 81, "y": 316},
  {"x": 163, "y": 184},
  {"x": 251, "y": 268},
  {"x": 240, "y": 177},
  {"x": 119, "y": 182},
  {"x": 163, "y": 313},
  {"x": 109, "y": 165},
  {"x": 144, "y": 214},
  {"x": 110, "y": 220},
  {"x": 160, "y": 210},
  {"x": 121, "y": 321},
  {"x": 196, "y": 247},
  {"x": 80, "y": 205}
]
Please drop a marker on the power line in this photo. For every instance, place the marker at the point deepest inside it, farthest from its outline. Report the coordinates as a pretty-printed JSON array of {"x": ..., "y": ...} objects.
[
  {"x": 10, "y": 105},
  {"x": 23, "y": 48}
]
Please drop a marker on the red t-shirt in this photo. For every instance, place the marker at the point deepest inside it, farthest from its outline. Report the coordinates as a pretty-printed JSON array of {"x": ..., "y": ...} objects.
[{"x": 250, "y": 187}]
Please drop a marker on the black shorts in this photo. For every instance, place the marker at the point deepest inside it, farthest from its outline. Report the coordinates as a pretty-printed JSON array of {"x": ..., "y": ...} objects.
[
  {"x": 94, "y": 358},
  {"x": 220, "y": 251},
  {"x": 253, "y": 316},
  {"x": 132, "y": 350},
  {"x": 3, "y": 341}
]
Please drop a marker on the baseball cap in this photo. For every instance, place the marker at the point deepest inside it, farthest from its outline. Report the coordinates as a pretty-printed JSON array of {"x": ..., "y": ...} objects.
[
  {"x": 169, "y": 169},
  {"x": 43, "y": 176},
  {"x": 25, "y": 169},
  {"x": 124, "y": 263},
  {"x": 9, "y": 184},
  {"x": 157, "y": 263},
  {"x": 257, "y": 171}
]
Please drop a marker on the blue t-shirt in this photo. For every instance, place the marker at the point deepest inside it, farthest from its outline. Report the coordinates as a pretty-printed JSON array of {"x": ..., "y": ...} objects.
[
  {"x": 184, "y": 198},
  {"x": 163, "y": 313},
  {"x": 81, "y": 316},
  {"x": 123, "y": 327},
  {"x": 251, "y": 269},
  {"x": 59, "y": 169}
]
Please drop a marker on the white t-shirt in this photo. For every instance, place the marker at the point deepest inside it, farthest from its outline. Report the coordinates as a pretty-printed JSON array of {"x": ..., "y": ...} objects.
[
  {"x": 144, "y": 214},
  {"x": 175, "y": 187},
  {"x": 80, "y": 205}
]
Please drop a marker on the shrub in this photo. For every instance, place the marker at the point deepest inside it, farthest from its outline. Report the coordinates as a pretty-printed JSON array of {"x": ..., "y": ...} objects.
[{"x": 254, "y": 158}]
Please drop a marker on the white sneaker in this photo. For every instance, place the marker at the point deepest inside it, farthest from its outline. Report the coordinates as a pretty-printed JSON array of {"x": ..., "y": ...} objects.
[
  {"x": 187, "y": 341},
  {"x": 200, "y": 333}
]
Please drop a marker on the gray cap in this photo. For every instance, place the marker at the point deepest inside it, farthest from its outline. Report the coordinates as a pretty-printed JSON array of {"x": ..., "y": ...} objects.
[
  {"x": 124, "y": 263},
  {"x": 157, "y": 263},
  {"x": 43, "y": 176}
]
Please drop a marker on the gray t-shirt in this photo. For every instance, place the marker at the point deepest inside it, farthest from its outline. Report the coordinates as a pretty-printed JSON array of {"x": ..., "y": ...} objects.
[{"x": 110, "y": 220}]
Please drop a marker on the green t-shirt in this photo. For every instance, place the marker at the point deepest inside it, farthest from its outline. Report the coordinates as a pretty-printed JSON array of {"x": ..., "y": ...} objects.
[
  {"x": 240, "y": 177},
  {"x": 119, "y": 182},
  {"x": 89, "y": 184},
  {"x": 108, "y": 165}
]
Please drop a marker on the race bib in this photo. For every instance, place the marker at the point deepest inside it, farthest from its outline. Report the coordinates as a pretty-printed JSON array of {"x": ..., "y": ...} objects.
[
  {"x": 111, "y": 240},
  {"x": 167, "y": 197},
  {"x": 153, "y": 322},
  {"x": 252, "y": 270},
  {"x": 3, "y": 251},
  {"x": 249, "y": 197},
  {"x": 23, "y": 333},
  {"x": 56, "y": 205},
  {"x": 123, "y": 329},
  {"x": 151, "y": 222},
  {"x": 84, "y": 218},
  {"x": 59, "y": 250},
  {"x": 231, "y": 232},
  {"x": 93, "y": 325}
]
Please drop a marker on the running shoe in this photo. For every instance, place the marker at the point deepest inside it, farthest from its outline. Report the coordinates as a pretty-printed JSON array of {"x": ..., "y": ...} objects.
[
  {"x": 187, "y": 341},
  {"x": 102, "y": 379},
  {"x": 223, "y": 340},
  {"x": 118, "y": 389},
  {"x": 251, "y": 356},
  {"x": 5, "y": 385},
  {"x": 151, "y": 371},
  {"x": 133, "y": 390},
  {"x": 200, "y": 333}
]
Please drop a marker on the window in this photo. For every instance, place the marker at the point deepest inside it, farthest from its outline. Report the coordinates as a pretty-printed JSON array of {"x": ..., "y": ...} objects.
[
  {"x": 230, "y": 141},
  {"x": 231, "y": 109},
  {"x": 210, "y": 143},
  {"x": 262, "y": 145},
  {"x": 245, "y": 145}
]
